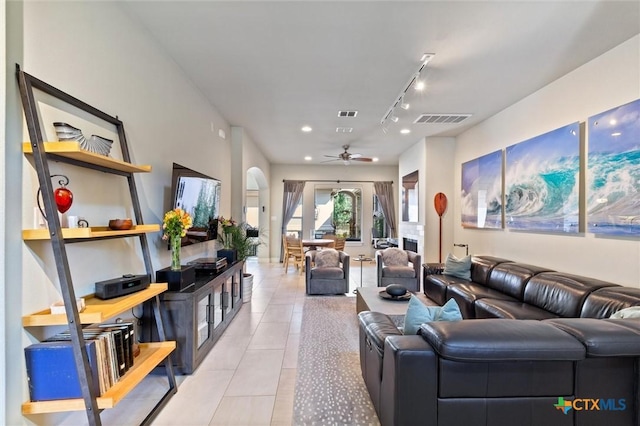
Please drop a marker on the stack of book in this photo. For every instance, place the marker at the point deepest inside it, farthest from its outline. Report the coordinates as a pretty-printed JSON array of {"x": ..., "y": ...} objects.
[{"x": 52, "y": 372}]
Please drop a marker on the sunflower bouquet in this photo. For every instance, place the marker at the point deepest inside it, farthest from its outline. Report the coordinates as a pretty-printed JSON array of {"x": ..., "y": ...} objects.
[{"x": 174, "y": 227}]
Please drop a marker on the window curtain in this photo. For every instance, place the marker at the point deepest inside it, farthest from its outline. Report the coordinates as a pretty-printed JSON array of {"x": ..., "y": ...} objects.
[
  {"x": 384, "y": 192},
  {"x": 291, "y": 198}
]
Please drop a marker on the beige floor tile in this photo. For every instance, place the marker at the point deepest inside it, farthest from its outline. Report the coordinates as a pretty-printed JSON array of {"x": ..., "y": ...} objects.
[
  {"x": 197, "y": 399},
  {"x": 257, "y": 374},
  {"x": 226, "y": 354},
  {"x": 296, "y": 322},
  {"x": 245, "y": 322},
  {"x": 270, "y": 335},
  {"x": 291, "y": 352},
  {"x": 287, "y": 383},
  {"x": 277, "y": 313},
  {"x": 244, "y": 411},
  {"x": 283, "y": 411}
]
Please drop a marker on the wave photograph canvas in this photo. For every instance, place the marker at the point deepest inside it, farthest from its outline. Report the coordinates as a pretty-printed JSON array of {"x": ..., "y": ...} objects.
[
  {"x": 542, "y": 182},
  {"x": 482, "y": 192},
  {"x": 613, "y": 181}
]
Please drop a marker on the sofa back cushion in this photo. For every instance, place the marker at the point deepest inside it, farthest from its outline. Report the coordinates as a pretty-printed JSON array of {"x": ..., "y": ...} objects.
[
  {"x": 606, "y": 301},
  {"x": 561, "y": 294},
  {"x": 511, "y": 278},
  {"x": 481, "y": 267}
]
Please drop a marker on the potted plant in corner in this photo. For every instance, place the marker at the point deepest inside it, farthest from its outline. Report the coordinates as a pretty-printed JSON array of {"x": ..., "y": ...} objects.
[{"x": 235, "y": 236}]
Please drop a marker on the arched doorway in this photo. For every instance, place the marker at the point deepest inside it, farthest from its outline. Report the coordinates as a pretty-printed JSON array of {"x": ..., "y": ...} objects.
[{"x": 256, "y": 204}]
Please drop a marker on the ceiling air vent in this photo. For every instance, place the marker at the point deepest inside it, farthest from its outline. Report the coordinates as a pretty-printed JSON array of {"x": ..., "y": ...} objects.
[
  {"x": 347, "y": 113},
  {"x": 441, "y": 118},
  {"x": 344, "y": 129}
]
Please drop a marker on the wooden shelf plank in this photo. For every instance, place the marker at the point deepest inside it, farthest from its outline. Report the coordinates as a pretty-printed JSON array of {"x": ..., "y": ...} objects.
[
  {"x": 86, "y": 233},
  {"x": 151, "y": 354},
  {"x": 97, "y": 310},
  {"x": 72, "y": 150}
]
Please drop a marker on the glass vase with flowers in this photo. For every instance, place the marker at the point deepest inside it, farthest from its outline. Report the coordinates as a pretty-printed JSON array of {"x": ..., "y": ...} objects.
[{"x": 174, "y": 227}]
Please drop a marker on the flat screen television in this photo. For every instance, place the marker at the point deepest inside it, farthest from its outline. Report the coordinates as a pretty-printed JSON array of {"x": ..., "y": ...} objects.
[{"x": 198, "y": 195}]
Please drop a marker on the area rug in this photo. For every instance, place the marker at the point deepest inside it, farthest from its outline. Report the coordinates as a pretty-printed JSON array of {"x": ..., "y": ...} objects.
[{"x": 329, "y": 385}]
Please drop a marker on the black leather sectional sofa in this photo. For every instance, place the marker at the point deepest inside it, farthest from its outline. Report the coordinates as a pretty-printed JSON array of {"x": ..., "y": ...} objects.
[{"x": 536, "y": 348}]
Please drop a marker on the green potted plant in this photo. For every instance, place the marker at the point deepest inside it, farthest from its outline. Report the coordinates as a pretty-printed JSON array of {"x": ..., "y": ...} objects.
[{"x": 234, "y": 236}]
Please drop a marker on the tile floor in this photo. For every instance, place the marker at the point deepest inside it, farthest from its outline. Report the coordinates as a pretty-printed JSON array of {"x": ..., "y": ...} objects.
[{"x": 249, "y": 376}]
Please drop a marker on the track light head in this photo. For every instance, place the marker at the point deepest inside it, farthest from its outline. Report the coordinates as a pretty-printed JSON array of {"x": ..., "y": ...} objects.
[
  {"x": 404, "y": 106},
  {"x": 394, "y": 118}
]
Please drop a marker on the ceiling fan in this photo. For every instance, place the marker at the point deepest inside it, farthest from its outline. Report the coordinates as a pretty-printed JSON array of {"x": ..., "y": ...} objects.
[{"x": 346, "y": 157}]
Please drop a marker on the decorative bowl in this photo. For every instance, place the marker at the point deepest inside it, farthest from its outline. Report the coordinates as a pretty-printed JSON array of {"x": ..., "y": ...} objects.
[
  {"x": 396, "y": 290},
  {"x": 120, "y": 224}
]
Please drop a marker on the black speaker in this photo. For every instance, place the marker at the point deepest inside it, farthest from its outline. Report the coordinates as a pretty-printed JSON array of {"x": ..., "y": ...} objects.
[{"x": 124, "y": 285}]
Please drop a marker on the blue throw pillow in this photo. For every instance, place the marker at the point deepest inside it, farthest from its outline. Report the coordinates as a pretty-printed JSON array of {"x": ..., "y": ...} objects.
[
  {"x": 460, "y": 268},
  {"x": 418, "y": 313}
]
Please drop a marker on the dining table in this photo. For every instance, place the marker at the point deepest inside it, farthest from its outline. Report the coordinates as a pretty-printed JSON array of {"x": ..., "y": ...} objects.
[{"x": 314, "y": 243}]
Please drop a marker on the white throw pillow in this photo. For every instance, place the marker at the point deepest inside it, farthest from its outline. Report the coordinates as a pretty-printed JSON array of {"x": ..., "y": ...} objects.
[{"x": 327, "y": 258}]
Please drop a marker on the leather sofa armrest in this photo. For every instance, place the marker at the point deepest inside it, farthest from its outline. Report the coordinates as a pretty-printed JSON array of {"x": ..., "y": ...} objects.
[
  {"x": 409, "y": 389},
  {"x": 377, "y": 327}
]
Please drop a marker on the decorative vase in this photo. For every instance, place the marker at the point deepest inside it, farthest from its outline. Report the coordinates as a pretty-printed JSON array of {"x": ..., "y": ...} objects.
[{"x": 175, "y": 252}]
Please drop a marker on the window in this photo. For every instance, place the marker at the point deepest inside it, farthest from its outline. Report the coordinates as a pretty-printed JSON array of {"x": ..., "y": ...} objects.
[
  {"x": 338, "y": 211},
  {"x": 295, "y": 224}
]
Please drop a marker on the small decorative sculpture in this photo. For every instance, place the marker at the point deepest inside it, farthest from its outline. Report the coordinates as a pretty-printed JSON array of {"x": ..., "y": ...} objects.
[{"x": 62, "y": 196}]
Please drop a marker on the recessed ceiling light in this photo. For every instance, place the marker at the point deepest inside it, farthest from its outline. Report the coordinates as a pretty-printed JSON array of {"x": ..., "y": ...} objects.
[
  {"x": 308, "y": 158},
  {"x": 405, "y": 131},
  {"x": 616, "y": 133},
  {"x": 613, "y": 121},
  {"x": 419, "y": 86},
  {"x": 306, "y": 129},
  {"x": 374, "y": 159}
]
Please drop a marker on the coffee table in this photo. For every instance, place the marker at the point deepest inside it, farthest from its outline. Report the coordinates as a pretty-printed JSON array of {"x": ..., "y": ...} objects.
[{"x": 368, "y": 299}]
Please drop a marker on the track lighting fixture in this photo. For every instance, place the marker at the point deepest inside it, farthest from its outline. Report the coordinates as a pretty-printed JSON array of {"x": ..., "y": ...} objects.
[{"x": 416, "y": 82}]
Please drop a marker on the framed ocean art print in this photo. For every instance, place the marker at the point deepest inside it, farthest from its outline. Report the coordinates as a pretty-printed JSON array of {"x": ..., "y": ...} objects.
[
  {"x": 613, "y": 180},
  {"x": 542, "y": 182},
  {"x": 481, "y": 192}
]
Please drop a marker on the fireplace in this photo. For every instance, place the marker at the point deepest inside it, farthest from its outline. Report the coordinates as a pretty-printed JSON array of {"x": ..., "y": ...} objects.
[{"x": 410, "y": 244}]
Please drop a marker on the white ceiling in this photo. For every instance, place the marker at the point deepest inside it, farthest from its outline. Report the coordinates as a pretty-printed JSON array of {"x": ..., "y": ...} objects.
[{"x": 272, "y": 67}]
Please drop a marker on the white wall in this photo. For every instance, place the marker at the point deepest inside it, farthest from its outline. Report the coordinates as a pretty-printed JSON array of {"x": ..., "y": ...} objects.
[
  {"x": 611, "y": 80},
  {"x": 344, "y": 174},
  {"x": 112, "y": 63},
  {"x": 432, "y": 157}
]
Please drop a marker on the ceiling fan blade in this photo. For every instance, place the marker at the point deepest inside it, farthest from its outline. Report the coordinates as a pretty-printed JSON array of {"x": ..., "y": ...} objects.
[
  {"x": 355, "y": 155},
  {"x": 329, "y": 161},
  {"x": 365, "y": 159},
  {"x": 332, "y": 156}
]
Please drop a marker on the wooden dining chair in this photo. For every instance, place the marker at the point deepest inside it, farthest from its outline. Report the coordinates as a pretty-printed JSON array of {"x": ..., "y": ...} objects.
[
  {"x": 330, "y": 237},
  {"x": 293, "y": 250},
  {"x": 339, "y": 243}
]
